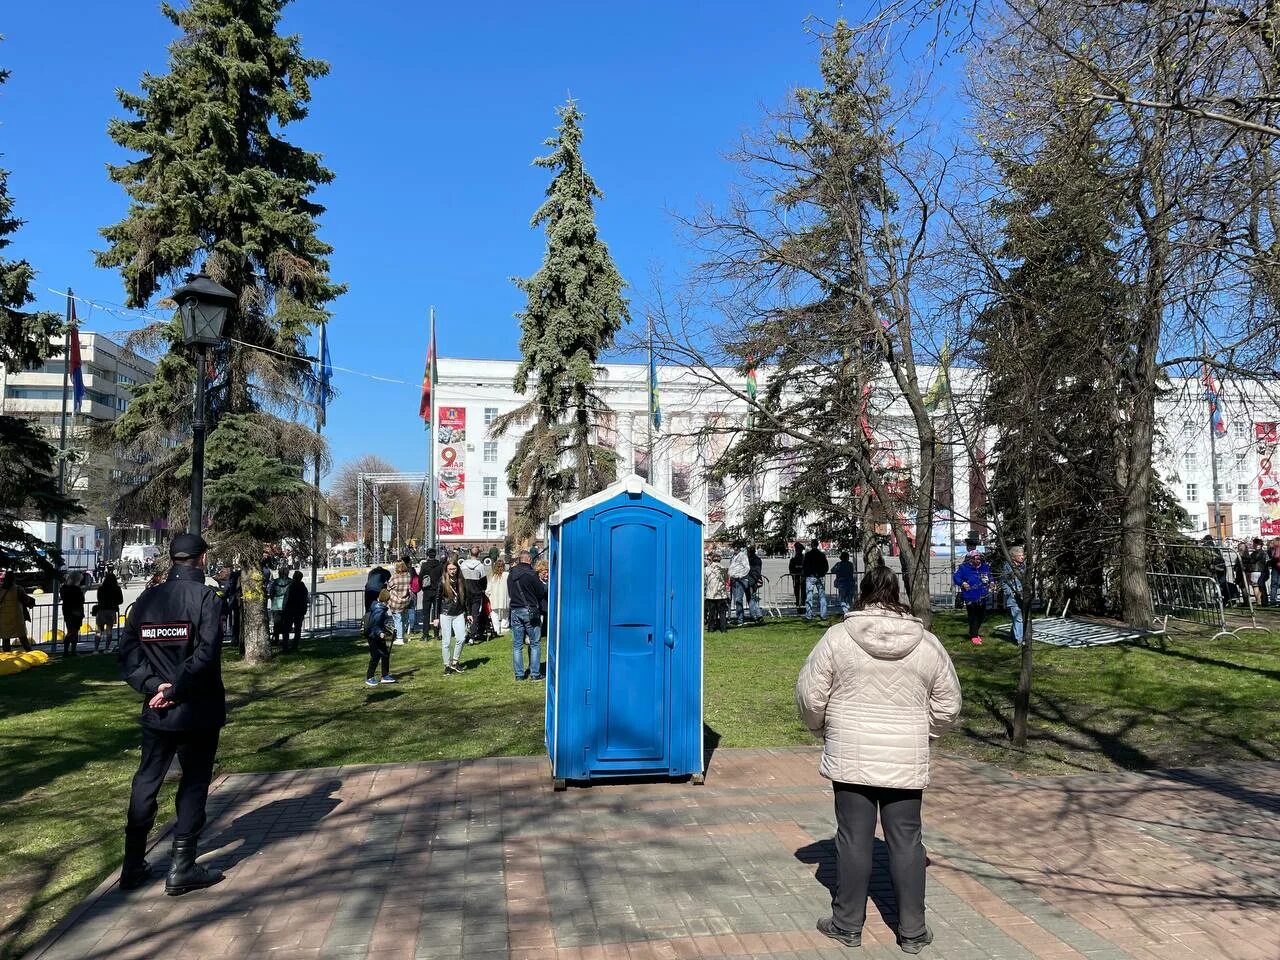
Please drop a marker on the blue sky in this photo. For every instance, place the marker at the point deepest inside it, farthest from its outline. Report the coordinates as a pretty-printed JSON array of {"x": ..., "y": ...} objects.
[{"x": 429, "y": 118}]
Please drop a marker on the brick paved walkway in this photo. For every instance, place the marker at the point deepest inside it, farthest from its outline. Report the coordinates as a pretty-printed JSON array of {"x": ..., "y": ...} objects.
[{"x": 482, "y": 860}]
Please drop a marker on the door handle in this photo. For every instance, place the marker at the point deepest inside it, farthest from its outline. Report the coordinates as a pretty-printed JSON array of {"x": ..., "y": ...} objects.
[{"x": 671, "y": 638}]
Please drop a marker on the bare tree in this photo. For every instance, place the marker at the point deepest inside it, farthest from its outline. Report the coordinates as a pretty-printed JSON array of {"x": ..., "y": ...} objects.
[{"x": 814, "y": 266}]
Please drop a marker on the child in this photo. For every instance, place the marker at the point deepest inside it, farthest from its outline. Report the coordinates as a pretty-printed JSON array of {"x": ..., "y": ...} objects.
[{"x": 377, "y": 627}]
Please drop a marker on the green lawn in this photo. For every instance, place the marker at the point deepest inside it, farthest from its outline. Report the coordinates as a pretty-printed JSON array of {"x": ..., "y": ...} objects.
[{"x": 69, "y": 741}]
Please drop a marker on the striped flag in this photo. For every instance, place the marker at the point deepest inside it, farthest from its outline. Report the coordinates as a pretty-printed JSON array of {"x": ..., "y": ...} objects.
[
  {"x": 1216, "y": 421},
  {"x": 73, "y": 350},
  {"x": 751, "y": 390},
  {"x": 428, "y": 380},
  {"x": 655, "y": 405}
]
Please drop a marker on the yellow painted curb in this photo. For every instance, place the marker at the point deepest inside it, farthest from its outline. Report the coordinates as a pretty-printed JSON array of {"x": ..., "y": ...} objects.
[{"x": 338, "y": 576}]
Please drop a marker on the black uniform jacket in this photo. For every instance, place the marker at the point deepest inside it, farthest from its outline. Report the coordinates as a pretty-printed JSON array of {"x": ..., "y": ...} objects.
[{"x": 173, "y": 635}]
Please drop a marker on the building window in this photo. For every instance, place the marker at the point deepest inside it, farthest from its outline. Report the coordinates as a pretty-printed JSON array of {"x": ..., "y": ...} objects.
[
  {"x": 1189, "y": 461},
  {"x": 1240, "y": 430},
  {"x": 490, "y": 415},
  {"x": 490, "y": 451},
  {"x": 1191, "y": 491},
  {"x": 642, "y": 464},
  {"x": 680, "y": 481},
  {"x": 1221, "y": 493},
  {"x": 1242, "y": 492},
  {"x": 1242, "y": 461},
  {"x": 522, "y": 419},
  {"x": 490, "y": 486},
  {"x": 489, "y": 521}
]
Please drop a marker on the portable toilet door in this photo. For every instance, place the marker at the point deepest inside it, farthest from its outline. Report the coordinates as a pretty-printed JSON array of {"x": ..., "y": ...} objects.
[{"x": 625, "y": 651}]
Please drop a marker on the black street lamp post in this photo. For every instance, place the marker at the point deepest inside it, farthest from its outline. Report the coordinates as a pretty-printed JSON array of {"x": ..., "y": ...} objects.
[{"x": 204, "y": 304}]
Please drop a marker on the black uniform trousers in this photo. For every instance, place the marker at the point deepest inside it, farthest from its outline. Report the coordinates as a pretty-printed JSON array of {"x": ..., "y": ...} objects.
[
  {"x": 856, "y": 807},
  {"x": 195, "y": 750},
  {"x": 430, "y": 611}
]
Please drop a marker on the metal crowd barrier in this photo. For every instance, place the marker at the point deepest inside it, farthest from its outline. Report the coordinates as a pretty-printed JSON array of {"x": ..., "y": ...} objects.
[{"x": 1190, "y": 599}]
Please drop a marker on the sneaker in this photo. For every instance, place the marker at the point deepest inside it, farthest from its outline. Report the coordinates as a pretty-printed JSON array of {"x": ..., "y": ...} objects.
[
  {"x": 454, "y": 667},
  {"x": 398, "y": 643},
  {"x": 388, "y": 679},
  {"x": 371, "y": 682},
  {"x": 915, "y": 944},
  {"x": 538, "y": 677},
  {"x": 976, "y": 641},
  {"x": 850, "y": 938}
]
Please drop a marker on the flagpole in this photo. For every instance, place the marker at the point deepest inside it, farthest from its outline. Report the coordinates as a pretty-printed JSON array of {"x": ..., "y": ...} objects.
[
  {"x": 62, "y": 470},
  {"x": 430, "y": 539},
  {"x": 315, "y": 474},
  {"x": 653, "y": 383},
  {"x": 1213, "y": 449}
]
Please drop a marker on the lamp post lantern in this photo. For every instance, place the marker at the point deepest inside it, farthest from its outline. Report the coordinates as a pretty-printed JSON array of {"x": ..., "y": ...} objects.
[{"x": 204, "y": 304}]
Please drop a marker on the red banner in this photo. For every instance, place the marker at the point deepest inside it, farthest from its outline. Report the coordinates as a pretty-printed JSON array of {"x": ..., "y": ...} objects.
[
  {"x": 451, "y": 480},
  {"x": 1268, "y": 479}
]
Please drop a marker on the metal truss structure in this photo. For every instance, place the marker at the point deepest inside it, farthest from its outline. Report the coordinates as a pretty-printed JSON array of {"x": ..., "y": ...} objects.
[{"x": 375, "y": 482}]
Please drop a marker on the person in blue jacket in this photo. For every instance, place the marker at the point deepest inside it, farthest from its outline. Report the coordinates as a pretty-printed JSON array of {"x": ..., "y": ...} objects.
[{"x": 973, "y": 577}]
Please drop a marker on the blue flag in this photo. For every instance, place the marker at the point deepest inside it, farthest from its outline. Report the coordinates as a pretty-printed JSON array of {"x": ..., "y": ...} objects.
[{"x": 326, "y": 373}]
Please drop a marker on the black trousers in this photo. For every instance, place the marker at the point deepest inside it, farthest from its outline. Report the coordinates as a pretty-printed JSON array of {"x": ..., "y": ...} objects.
[
  {"x": 475, "y": 610},
  {"x": 430, "y": 611},
  {"x": 195, "y": 750},
  {"x": 718, "y": 615},
  {"x": 977, "y": 613},
  {"x": 899, "y": 810},
  {"x": 798, "y": 584},
  {"x": 379, "y": 656}
]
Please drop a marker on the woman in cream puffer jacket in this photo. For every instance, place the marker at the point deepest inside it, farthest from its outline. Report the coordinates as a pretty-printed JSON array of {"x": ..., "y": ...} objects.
[{"x": 877, "y": 688}]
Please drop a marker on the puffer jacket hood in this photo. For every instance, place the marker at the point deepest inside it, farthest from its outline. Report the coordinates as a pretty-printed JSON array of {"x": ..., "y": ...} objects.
[
  {"x": 876, "y": 689},
  {"x": 884, "y": 637}
]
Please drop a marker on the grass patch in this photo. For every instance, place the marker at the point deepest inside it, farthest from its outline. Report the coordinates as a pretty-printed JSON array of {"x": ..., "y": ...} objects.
[{"x": 68, "y": 736}]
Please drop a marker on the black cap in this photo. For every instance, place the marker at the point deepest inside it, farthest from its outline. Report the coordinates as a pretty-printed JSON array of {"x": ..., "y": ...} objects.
[{"x": 187, "y": 546}]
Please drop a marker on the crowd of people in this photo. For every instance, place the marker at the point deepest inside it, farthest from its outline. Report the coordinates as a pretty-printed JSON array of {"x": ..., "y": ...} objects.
[{"x": 456, "y": 598}]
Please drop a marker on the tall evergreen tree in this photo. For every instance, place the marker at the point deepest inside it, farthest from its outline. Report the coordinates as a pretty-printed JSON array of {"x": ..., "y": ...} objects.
[
  {"x": 575, "y": 308},
  {"x": 819, "y": 285},
  {"x": 217, "y": 186},
  {"x": 28, "y": 461}
]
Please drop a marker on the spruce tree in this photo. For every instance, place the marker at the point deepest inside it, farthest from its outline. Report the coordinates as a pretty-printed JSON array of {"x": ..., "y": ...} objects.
[
  {"x": 575, "y": 308},
  {"x": 217, "y": 186},
  {"x": 812, "y": 249},
  {"x": 28, "y": 461}
]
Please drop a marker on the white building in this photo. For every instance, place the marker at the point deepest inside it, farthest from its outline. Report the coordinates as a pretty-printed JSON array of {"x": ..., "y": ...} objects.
[
  {"x": 474, "y": 393},
  {"x": 110, "y": 373}
]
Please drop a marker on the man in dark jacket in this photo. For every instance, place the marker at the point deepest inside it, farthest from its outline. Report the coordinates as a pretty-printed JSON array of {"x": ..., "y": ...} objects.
[
  {"x": 429, "y": 574},
  {"x": 170, "y": 652},
  {"x": 815, "y": 581},
  {"x": 378, "y": 578},
  {"x": 795, "y": 567},
  {"x": 527, "y": 595},
  {"x": 294, "y": 612}
]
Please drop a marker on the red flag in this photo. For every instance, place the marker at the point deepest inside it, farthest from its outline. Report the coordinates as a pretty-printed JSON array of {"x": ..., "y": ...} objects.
[{"x": 428, "y": 380}]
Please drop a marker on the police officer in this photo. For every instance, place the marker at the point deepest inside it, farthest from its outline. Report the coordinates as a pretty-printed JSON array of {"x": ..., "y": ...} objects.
[{"x": 170, "y": 652}]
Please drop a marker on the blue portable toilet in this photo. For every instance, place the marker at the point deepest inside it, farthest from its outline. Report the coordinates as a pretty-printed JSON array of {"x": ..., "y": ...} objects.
[{"x": 624, "y": 637}]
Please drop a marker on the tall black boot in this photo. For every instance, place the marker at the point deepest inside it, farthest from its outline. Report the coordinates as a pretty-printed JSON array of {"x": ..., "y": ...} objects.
[
  {"x": 136, "y": 871},
  {"x": 185, "y": 874}
]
